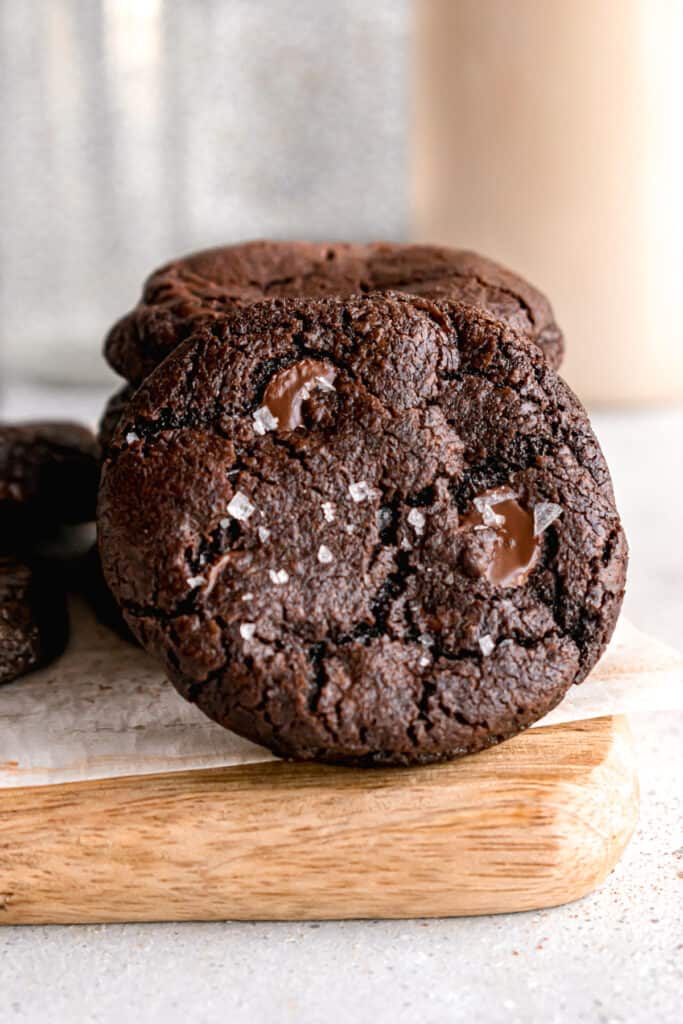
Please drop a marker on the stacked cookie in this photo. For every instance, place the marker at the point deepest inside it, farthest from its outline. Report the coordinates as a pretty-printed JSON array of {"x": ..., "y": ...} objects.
[
  {"x": 49, "y": 474},
  {"x": 351, "y": 507},
  {"x": 204, "y": 286}
]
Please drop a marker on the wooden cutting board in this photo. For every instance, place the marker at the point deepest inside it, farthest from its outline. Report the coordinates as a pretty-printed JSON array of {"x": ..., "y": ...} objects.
[{"x": 535, "y": 822}]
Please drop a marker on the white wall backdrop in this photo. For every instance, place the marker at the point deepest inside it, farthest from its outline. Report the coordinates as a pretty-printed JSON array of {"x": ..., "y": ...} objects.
[{"x": 134, "y": 130}]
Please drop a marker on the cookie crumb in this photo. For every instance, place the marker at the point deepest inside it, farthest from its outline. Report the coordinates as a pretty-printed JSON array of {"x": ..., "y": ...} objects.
[
  {"x": 264, "y": 421},
  {"x": 417, "y": 520},
  {"x": 325, "y": 555},
  {"x": 278, "y": 576},
  {"x": 545, "y": 513},
  {"x": 247, "y": 630},
  {"x": 329, "y": 511},
  {"x": 240, "y": 507},
  {"x": 486, "y": 645}
]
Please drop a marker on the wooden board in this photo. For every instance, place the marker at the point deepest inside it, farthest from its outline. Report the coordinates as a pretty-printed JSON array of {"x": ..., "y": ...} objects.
[{"x": 535, "y": 822}]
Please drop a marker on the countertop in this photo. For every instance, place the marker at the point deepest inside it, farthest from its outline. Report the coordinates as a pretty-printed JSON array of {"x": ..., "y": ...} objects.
[{"x": 615, "y": 956}]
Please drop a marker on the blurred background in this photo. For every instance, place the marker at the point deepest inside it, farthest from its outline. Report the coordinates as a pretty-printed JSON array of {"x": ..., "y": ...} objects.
[
  {"x": 135, "y": 130},
  {"x": 547, "y": 135}
]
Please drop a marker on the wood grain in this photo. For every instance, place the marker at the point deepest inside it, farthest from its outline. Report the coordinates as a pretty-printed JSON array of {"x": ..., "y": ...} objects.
[{"x": 538, "y": 821}]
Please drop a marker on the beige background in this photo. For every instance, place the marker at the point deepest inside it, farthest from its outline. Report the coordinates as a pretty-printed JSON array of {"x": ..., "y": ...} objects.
[{"x": 547, "y": 133}]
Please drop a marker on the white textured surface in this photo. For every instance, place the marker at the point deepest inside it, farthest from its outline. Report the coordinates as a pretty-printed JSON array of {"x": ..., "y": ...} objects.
[
  {"x": 616, "y": 956},
  {"x": 105, "y": 709}
]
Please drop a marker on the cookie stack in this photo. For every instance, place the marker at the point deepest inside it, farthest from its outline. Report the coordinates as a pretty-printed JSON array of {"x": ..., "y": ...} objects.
[
  {"x": 49, "y": 474},
  {"x": 349, "y": 504}
]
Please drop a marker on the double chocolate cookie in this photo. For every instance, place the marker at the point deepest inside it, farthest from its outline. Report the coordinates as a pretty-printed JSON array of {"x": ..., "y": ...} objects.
[
  {"x": 86, "y": 578},
  {"x": 372, "y": 531},
  {"x": 207, "y": 284},
  {"x": 49, "y": 473},
  {"x": 33, "y": 620},
  {"x": 112, "y": 414}
]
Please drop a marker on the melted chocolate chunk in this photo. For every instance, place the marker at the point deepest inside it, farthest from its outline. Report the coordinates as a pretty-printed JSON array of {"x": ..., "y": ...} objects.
[
  {"x": 515, "y": 550},
  {"x": 291, "y": 387}
]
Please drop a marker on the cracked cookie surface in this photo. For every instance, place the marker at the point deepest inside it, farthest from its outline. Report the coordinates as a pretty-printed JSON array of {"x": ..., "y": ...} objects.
[
  {"x": 368, "y": 531},
  {"x": 210, "y": 283}
]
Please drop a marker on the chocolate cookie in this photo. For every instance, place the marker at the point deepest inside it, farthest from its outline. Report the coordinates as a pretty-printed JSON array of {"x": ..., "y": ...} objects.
[
  {"x": 86, "y": 578},
  {"x": 49, "y": 474},
  {"x": 209, "y": 283},
  {"x": 33, "y": 620},
  {"x": 112, "y": 414},
  {"x": 372, "y": 531}
]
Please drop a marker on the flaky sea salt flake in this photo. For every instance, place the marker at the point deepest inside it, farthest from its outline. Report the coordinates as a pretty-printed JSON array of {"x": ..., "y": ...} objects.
[
  {"x": 416, "y": 520},
  {"x": 264, "y": 420},
  {"x": 361, "y": 491},
  {"x": 329, "y": 511},
  {"x": 325, "y": 556},
  {"x": 131, "y": 437},
  {"x": 324, "y": 384},
  {"x": 240, "y": 507},
  {"x": 484, "y": 505},
  {"x": 263, "y": 534},
  {"x": 247, "y": 630},
  {"x": 195, "y": 581},
  {"x": 278, "y": 576},
  {"x": 426, "y": 640},
  {"x": 545, "y": 513},
  {"x": 486, "y": 645},
  {"x": 494, "y": 497},
  {"x": 491, "y": 518}
]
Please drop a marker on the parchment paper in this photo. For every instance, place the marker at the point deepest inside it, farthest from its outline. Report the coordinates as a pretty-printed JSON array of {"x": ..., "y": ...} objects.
[{"x": 104, "y": 709}]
